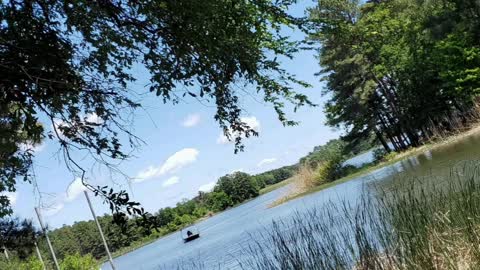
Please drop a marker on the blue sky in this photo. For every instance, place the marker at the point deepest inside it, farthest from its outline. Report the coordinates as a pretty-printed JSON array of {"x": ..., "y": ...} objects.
[{"x": 184, "y": 151}]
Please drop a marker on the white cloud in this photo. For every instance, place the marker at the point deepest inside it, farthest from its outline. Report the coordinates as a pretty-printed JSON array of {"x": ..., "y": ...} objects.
[
  {"x": 236, "y": 170},
  {"x": 147, "y": 173},
  {"x": 93, "y": 118},
  {"x": 207, "y": 187},
  {"x": 266, "y": 161},
  {"x": 52, "y": 210},
  {"x": 59, "y": 123},
  {"x": 222, "y": 139},
  {"x": 175, "y": 162},
  {"x": 251, "y": 121},
  {"x": 179, "y": 160},
  {"x": 171, "y": 181},
  {"x": 191, "y": 120},
  {"x": 74, "y": 190},
  {"x": 35, "y": 148}
]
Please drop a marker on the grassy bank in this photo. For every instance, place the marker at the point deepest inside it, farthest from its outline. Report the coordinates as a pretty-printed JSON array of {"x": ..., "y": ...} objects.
[
  {"x": 303, "y": 190},
  {"x": 275, "y": 186}
]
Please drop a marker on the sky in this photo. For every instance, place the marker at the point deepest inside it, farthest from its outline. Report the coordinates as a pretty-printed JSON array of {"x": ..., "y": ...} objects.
[{"x": 184, "y": 151}]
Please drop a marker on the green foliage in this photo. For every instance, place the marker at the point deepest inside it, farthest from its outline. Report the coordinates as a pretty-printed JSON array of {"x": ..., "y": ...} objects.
[
  {"x": 379, "y": 154},
  {"x": 239, "y": 186},
  {"x": 326, "y": 162},
  {"x": 403, "y": 70},
  {"x": 165, "y": 216},
  {"x": 332, "y": 150},
  {"x": 18, "y": 236},
  {"x": 274, "y": 176},
  {"x": 390, "y": 156},
  {"x": 329, "y": 171},
  {"x": 77, "y": 262},
  {"x": 31, "y": 263},
  {"x": 218, "y": 201}
]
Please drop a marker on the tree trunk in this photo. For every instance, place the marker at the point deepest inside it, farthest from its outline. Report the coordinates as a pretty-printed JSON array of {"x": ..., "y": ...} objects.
[
  {"x": 382, "y": 140},
  {"x": 387, "y": 132}
]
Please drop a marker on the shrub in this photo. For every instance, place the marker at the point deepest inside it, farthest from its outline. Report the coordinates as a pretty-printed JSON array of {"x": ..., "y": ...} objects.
[
  {"x": 390, "y": 156},
  {"x": 329, "y": 170},
  {"x": 32, "y": 263},
  {"x": 305, "y": 178},
  {"x": 349, "y": 169},
  {"x": 200, "y": 211},
  {"x": 78, "y": 262},
  {"x": 379, "y": 154},
  {"x": 218, "y": 201}
]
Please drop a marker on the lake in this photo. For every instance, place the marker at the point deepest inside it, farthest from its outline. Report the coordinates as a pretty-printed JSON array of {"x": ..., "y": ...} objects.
[{"x": 224, "y": 235}]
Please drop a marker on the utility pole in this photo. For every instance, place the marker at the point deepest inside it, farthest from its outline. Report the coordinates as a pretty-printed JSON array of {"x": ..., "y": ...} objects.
[
  {"x": 48, "y": 239},
  {"x": 100, "y": 230},
  {"x": 39, "y": 255},
  {"x": 5, "y": 251}
]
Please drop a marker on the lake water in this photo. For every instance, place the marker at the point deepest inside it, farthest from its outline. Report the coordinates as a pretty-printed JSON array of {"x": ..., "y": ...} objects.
[{"x": 224, "y": 235}]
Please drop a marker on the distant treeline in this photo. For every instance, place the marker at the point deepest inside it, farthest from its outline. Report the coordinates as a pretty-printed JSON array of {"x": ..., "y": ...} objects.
[{"x": 232, "y": 189}]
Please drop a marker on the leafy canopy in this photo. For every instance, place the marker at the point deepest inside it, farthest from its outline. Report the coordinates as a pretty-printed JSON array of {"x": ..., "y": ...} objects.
[{"x": 71, "y": 62}]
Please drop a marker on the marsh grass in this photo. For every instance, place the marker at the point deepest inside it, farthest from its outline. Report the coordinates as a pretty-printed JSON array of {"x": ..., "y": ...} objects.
[{"x": 418, "y": 226}]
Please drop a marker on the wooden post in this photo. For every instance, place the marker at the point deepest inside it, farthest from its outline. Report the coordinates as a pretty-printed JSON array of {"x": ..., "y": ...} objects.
[
  {"x": 39, "y": 255},
  {"x": 48, "y": 239},
  {"x": 110, "y": 259}
]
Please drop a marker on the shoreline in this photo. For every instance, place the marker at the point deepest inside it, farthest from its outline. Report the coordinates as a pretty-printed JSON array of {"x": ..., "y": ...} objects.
[
  {"x": 148, "y": 241},
  {"x": 431, "y": 145}
]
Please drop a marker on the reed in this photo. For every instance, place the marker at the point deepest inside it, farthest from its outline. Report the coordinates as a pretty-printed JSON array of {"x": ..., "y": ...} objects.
[{"x": 417, "y": 226}]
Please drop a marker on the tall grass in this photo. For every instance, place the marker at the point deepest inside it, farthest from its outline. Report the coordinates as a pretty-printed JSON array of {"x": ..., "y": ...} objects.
[{"x": 434, "y": 226}]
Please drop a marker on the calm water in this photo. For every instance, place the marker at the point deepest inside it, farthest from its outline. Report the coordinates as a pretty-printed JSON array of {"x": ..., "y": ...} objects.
[{"x": 224, "y": 235}]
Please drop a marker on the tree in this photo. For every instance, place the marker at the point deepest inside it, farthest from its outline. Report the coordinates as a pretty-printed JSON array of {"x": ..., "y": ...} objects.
[
  {"x": 165, "y": 216},
  {"x": 218, "y": 201},
  {"x": 18, "y": 236},
  {"x": 70, "y": 62},
  {"x": 403, "y": 70},
  {"x": 332, "y": 150},
  {"x": 239, "y": 186}
]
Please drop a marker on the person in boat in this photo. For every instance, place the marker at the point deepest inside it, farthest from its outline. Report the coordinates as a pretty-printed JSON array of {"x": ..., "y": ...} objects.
[{"x": 189, "y": 233}]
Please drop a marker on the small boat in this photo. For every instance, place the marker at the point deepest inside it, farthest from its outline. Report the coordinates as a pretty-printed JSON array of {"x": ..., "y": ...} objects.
[
  {"x": 191, "y": 233},
  {"x": 192, "y": 237}
]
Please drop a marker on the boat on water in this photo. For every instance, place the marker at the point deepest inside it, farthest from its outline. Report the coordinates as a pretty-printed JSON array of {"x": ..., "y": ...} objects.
[
  {"x": 191, "y": 237},
  {"x": 191, "y": 233}
]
